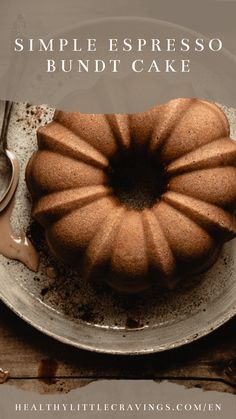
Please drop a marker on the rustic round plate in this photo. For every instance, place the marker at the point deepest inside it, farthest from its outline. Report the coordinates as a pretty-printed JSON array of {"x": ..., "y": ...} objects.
[{"x": 58, "y": 303}]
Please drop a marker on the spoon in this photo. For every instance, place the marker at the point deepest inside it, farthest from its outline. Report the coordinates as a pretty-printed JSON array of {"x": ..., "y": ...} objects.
[{"x": 7, "y": 161}]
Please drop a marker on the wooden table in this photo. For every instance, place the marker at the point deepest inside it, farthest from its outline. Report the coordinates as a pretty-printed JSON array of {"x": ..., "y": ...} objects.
[{"x": 37, "y": 362}]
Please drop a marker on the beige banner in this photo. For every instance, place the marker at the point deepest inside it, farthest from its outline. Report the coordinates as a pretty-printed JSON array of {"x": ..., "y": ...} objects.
[
  {"x": 119, "y": 399},
  {"x": 116, "y": 57}
]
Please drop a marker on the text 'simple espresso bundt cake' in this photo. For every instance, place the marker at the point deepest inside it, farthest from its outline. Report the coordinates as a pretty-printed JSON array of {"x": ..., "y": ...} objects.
[{"x": 136, "y": 199}]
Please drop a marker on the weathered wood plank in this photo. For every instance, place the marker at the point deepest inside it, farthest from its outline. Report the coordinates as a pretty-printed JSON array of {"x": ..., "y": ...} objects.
[{"x": 28, "y": 354}]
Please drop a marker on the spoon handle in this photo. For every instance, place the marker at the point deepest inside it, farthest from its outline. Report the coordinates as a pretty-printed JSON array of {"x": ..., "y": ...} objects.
[{"x": 5, "y": 124}]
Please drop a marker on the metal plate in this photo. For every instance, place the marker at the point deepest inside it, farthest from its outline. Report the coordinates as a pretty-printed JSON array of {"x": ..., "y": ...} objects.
[{"x": 59, "y": 304}]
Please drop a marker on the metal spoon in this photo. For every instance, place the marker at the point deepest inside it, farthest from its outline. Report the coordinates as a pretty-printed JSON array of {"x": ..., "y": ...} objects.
[{"x": 7, "y": 167}]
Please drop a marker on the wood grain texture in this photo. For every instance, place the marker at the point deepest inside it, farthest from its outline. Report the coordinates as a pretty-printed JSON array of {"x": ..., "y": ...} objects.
[{"x": 37, "y": 362}]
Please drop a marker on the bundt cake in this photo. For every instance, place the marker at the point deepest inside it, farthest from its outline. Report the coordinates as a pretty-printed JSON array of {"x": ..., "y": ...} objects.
[{"x": 140, "y": 199}]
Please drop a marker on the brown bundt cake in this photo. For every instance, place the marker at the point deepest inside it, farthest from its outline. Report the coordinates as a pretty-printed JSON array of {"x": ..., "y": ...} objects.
[{"x": 136, "y": 199}]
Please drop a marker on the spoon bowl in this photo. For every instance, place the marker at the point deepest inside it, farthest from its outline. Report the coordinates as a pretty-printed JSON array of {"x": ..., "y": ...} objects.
[
  {"x": 6, "y": 174},
  {"x": 7, "y": 161},
  {"x": 8, "y": 184}
]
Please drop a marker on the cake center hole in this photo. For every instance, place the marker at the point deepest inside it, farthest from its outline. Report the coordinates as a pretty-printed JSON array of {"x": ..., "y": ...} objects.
[{"x": 138, "y": 180}]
